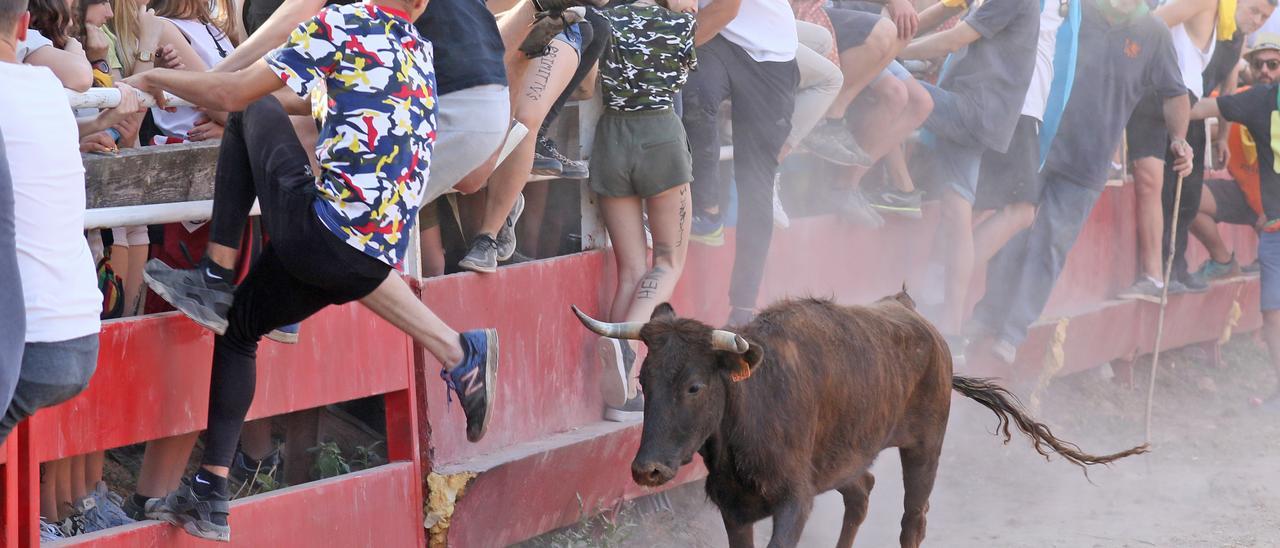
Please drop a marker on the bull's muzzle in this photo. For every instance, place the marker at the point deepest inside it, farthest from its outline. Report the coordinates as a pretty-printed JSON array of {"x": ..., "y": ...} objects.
[{"x": 651, "y": 474}]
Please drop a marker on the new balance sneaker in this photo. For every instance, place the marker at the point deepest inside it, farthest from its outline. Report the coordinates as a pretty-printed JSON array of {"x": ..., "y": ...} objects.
[
  {"x": 832, "y": 141},
  {"x": 546, "y": 165},
  {"x": 707, "y": 231},
  {"x": 569, "y": 168},
  {"x": 896, "y": 202},
  {"x": 633, "y": 410},
  {"x": 1145, "y": 289},
  {"x": 483, "y": 256},
  {"x": 857, "y": 210},
  {"x": 199, "y": 293},
  {"x": 287, "y": 334},
  {"x": 506, "y": 237},
  {"x": 110, "y": 506},
  {"x": 780, "y": 217},
  {"x": 1214, "y": 270},
  {"x": 475, "y": 379},
  {"x": 615, "y": 376},
  {"x": 202, "y": 517}
]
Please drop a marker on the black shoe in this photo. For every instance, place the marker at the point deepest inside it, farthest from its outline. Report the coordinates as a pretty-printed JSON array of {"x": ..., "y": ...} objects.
[
  {"x": 483, "y": 256},
  {"x": 133, "y": 510},
  {"x": 832, "y": 141},
  {"x": 245, "y": 469},
  {"x": 633, "y": 410},
  {"x": 196, "y": 292},
  {"x": 569, "y": 168},
  {"x": 546, "y": 165},
  {"x": 506, "y": 237},
  {"x": 205, "y": 518},
  {"x": 474, "y": 380},
  {"x": 1188, "y": 284}
]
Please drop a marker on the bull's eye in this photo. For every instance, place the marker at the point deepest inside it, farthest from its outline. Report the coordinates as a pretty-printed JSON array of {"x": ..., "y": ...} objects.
[{"x": 695, "y": 388}]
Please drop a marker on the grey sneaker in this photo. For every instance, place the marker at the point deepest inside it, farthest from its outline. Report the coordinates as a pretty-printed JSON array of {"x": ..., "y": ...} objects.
[
  {"x": 1191, "y": 284},
  {"x": 832, "y": 141},
  {"x": 201, "y": 297},
  {"x": 483, "y": 256},
  {"x": 110, "y": 506},
  {"x": 205, "y": 518},
  {"x": 546, "y": 165},
  {"x": 896, "y": 202},
  {"x": 633, "y": 410},
  {"x": 506, "y": 237},
  {"x": 1144, "y": 289},
  {"x": 569, "y": 168},
  {"x": 857, "y": 210}
]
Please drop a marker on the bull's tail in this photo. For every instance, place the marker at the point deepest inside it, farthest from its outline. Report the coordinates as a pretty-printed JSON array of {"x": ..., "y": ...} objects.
[{"x": 1007, "y": 408}]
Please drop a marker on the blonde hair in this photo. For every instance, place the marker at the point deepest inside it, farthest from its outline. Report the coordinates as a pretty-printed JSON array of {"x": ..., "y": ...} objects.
[{"x": 125, "y": 26}]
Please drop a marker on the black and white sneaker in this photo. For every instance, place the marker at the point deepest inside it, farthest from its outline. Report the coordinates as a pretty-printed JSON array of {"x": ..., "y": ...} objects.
[
  {"x": 204, "y": 518},
  {"x": 506, "y": 237},
  {"x": 483, "y": 256},
  {"x": 569, "y": 168},
  {"x": 545, "y": 165},
  {"x": 200, "y": 294}
]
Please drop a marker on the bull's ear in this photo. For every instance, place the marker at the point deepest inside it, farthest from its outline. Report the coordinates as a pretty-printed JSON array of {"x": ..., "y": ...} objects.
[
  {"x": 741, "y": 366},
  {"x": 663, "y": 312}
]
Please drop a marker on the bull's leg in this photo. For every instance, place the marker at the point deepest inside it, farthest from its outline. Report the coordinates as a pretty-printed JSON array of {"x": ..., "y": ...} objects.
[
  {"x": 919, "y": 467},
  {"x": 855, "y": 495},
  {"x": 788, "y": 521},
  {"x": 741, "y": 535}
]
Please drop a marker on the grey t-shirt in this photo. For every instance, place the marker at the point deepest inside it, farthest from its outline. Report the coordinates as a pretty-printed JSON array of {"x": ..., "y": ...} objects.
[
  {"x": 990, "y": 76},
  {"x": 1117, "y": 64}
]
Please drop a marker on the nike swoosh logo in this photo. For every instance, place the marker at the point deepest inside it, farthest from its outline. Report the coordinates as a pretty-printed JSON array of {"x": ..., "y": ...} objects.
[
  {"x": 198, "y": 480},
  {"x": 210, "y": 274}
]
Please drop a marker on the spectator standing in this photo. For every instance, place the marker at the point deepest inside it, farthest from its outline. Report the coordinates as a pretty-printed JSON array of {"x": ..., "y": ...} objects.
[
  {"x": 976, "y": 106},
  {"x": 746, "y": 53},
  {"x": 641, "y": 163},
  {"x": 1125, "y": 53}
]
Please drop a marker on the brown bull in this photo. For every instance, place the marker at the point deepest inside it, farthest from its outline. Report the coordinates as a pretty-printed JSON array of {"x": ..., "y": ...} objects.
[{"x": 801, "y": 401}]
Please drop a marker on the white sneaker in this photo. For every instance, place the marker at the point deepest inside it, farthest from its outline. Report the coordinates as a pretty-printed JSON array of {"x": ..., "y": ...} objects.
[
  {"x": 613, "y": 374},
  {"x": 780, "y": 218}
]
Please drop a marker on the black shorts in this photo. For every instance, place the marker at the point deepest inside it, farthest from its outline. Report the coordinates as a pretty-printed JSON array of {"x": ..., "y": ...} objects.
[
  {"x": 1012, "y": 177},
  {"x": 1233, "y": 206},
  {"x": 852, "y": 26},
  {"x": 1145, "y": 134}
]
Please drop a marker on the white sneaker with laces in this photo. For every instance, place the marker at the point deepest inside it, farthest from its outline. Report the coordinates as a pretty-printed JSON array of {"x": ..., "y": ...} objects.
[{"x": 780, "y": 217}]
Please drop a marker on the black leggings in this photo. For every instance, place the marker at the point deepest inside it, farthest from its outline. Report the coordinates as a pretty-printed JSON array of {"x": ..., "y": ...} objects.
[{"x": 302, "y": 269}]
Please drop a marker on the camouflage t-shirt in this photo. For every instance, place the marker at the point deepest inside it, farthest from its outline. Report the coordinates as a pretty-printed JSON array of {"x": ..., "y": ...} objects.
[{"x": 650, "y": 57}]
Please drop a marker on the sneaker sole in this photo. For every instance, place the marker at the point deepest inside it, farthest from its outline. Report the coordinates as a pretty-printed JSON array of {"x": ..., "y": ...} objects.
[
  {"x": 490, "y": 379},
  {"x": 475, "y": 267},
  {"x": 912, "y": 212},
  {"x": 546, "y": 172},
  {"x": 191, "y": 526},
  {"x": 613, "y": 379},
  {"x": 575, "y": 175},
  {"x": 218, "y": 327},
  {"x": 618, "y": 415},
  {"x": 283, "y": 337},
  {"x": 1154, "y": 299},
  {"x": 517, "y": 210}
]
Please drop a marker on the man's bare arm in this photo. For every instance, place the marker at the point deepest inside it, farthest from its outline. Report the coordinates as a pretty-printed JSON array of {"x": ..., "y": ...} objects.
[
  {"x": 713, "y": 18},
  {"x": 230, "y": 92},
  {"x": 273, "y": 33},
  {"x": 941, "y": 44},
  {"x": 1208, "y": 108},
  {"x": 935, "y": 15},
  {"x": 1177, "y": 114}
]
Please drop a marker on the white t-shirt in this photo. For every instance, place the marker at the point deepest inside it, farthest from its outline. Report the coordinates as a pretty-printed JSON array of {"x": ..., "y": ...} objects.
[
  {"x": 59, "y": 283},
  {"x": 1042, "y": 78},
  {"x": 34, "y": 41},
  {"x": 766, "y": 29}
]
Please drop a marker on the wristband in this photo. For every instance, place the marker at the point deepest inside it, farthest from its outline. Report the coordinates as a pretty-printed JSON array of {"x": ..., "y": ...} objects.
[
  {"x": 115, "y": 135},
  {"x": 101, "y": 65}
]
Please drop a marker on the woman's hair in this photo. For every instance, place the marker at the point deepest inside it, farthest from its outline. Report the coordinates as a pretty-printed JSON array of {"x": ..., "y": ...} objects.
[
  {"x": 202, "y": 11},
  {"x": 125, "y": 26},
  {"x": 82, "y": 6},
  {"x": 53, "y": 19}
]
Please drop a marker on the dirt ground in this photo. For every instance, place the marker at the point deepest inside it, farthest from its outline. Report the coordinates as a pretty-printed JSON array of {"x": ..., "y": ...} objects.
[{"x": 1211, "y": 480}]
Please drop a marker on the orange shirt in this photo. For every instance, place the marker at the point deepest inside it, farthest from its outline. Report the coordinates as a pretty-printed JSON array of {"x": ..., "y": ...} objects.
[{"x": 1242, "y": 170}]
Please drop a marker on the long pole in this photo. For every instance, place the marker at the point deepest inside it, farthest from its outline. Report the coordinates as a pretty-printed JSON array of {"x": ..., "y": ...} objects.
[{"x": 1164, "y": 300}]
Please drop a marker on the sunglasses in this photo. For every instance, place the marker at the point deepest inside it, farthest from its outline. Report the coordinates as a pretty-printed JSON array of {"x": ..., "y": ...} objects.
[{"x": 1270, "y": 64}]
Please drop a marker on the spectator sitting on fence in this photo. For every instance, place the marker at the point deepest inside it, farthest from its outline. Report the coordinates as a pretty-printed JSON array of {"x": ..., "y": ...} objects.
[
  {"x": 595, "y": 37},
  {"x": 48, "y": 44},
  {"x": 1237, "y": 201},
  {"x": 337, "y": 235},
  {"x": 1258, "y": 110},
  {"x": 60, "y": 287},
  {"x": 641, "y": 163}
]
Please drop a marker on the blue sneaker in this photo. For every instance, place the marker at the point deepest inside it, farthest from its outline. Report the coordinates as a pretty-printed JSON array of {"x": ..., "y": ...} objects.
[
  {"x": 110, "y": 505},
  {"x": 287, "y": 334},
  {"x": 707, "y": 231},
  {"x": 474, "y": 380},
  {"x": 1213, "y": 270}
]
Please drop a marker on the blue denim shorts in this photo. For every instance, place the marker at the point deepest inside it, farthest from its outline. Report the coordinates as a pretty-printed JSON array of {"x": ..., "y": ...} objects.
[
  {"x": 955, "y": 154},
  {"x": 1269, "y": 257},
  {"x": 572, "y": 35}
]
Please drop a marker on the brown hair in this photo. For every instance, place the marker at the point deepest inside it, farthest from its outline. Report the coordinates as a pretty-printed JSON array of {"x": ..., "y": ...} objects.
[
  {"x": 53, "y": 19},
  {"x": 199, "y": 10}
]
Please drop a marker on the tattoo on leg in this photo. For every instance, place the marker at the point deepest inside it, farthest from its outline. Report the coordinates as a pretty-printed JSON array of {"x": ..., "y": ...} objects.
[
  {"x": 648, "y": 288},
  {"x": 542, "y": 74},
  {"x": 684, "y": 215}
]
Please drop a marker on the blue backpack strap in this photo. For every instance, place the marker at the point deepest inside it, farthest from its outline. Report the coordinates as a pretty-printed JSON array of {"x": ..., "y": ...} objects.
[{"x": 1066, "y": 49}]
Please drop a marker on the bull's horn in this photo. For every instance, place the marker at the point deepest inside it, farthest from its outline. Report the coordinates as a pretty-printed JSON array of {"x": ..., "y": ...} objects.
[
  {"x": 728, "y": 341},
  {"x": 621, "y": 330}
]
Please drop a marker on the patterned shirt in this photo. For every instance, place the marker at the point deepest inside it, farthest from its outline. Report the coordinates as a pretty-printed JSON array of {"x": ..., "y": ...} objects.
[
  {"x": 369, "y": 76},
  {"x": 650, "y": 58}
]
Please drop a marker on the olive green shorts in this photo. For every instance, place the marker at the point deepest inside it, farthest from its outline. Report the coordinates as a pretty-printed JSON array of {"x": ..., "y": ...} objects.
[{"x": 639, "y": 154}]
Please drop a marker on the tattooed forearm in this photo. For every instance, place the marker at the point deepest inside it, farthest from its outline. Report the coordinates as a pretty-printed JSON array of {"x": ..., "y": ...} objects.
[
  {"x": 648, "y": 288},
  {"x": 542, "y": 74}
]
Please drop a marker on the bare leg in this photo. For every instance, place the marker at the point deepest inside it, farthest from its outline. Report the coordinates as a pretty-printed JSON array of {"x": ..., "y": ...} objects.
[
  {"x": 861, "y": 64},
  {"x": 163, "y": 464},
  {"x": 855, "y": 508},
  {"x": 62, "y": 488},
  {"x": 78, "y": 492},
  {"x": 789, "y": 520},
  {"x": 1205, "y": 229},
  {"x": 432, "y": 252},
  {"x": 133, "y": 282},
  {"x": 538, "y": 90},
  {"x": 992, "y": 233},
  {"x": 626, "y": 232},
  {"x": 49, "y": 492},
  {"x": 899, "y": 175},
  {"x": 396, "y": 303},
  {"x": 919, "y": 468},
  {"x": 957, "y": 219},
  {"x": 93, "y": 464},
  {"x": 1148, "y": 180}
]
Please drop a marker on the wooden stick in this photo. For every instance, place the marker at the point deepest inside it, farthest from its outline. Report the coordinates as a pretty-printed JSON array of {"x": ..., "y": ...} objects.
[{"x": 1164, "y": 300}]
